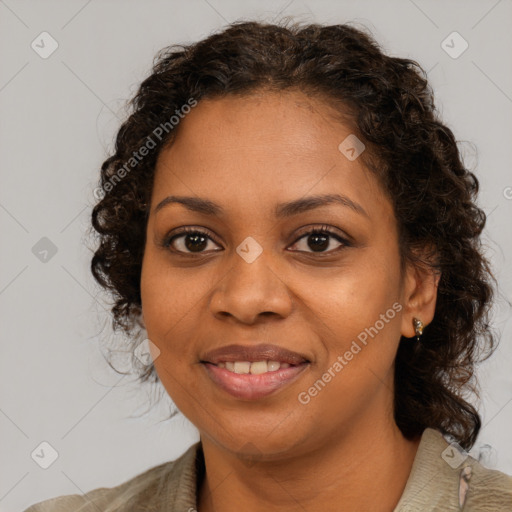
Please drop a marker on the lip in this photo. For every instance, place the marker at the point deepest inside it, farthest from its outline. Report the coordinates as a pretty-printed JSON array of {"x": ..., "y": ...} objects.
[
  {"x": 253, "y": 353},
  {"x": 246, "y": 386},
  {"x": 249, "y": 386}
]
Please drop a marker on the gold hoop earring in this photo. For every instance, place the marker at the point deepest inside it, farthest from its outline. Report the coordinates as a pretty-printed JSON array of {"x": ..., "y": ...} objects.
[{"x": 418, "y": 327}]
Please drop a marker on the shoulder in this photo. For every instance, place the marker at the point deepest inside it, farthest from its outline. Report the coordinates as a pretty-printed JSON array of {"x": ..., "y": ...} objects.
[
  {"x": 160, "y": 484},
  {"x": 70, "y": 503},
  {"x": 489, "y": 489},
  {"x": 445, "y": 477}
]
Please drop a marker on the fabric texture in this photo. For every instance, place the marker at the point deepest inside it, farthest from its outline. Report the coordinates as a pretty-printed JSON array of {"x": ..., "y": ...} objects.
[{"x": 434, "y": 484}]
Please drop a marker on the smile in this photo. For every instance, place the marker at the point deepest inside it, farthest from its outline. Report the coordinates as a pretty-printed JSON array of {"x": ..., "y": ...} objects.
[
  {"x": 255, "y": 368},
  {"x": 252, "y": 386}
]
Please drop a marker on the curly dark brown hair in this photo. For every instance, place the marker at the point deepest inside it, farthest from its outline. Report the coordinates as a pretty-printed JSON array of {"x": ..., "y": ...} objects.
[{"x": 415, "y": 156}]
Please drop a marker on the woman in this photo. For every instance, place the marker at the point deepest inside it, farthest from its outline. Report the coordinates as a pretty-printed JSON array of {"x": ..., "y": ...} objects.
[{"x": 293, "y": 226}]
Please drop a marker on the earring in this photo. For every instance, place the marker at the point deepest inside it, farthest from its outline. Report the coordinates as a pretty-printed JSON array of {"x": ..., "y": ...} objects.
[{"x": 418, "y": 327}]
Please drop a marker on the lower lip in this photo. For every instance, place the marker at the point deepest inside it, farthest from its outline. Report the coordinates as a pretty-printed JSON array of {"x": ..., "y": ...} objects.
[{"x": 252, "y": 387}]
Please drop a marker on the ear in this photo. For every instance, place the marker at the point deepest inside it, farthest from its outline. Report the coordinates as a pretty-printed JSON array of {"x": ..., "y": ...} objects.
[{"x": 419, "y": 296}]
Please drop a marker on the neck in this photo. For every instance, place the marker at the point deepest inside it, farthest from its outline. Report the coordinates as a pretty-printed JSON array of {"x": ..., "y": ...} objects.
[{"x": 364, "y": 468}]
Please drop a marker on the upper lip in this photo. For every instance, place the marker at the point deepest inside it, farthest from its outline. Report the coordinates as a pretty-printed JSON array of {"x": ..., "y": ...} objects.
[{"x": 253, "y": 353}]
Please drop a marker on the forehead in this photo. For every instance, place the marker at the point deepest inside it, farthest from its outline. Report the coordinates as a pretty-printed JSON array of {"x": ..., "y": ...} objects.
[
  {"x": 260, "y": 149},
  {"x": 287, "y": 122}
]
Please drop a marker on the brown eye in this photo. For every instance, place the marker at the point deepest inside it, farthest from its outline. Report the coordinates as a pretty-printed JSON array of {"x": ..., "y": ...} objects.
[
  {"x": 195, "y": 241},
  {"x": 320, "y": 240},
  {"x": 188, "y": 241}
]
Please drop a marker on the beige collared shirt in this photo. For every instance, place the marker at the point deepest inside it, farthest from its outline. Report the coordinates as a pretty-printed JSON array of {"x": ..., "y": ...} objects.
[{"x": 441, "y": 478}]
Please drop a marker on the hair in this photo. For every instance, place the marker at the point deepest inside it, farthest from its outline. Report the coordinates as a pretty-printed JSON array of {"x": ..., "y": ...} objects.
[{"x": 414, "y": 155}]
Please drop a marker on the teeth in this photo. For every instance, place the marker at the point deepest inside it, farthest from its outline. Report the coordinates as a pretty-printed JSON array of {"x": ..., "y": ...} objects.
[
  {"x": 273, "y": 366},
  {"x": 254, "y": 368},
  {"x": 242, "y": 366},
  {"x": 259, "y": 367}
]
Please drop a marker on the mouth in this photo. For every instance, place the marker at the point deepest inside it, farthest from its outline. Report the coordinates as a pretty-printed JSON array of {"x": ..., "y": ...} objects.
[{"x": 251, "y": 373}]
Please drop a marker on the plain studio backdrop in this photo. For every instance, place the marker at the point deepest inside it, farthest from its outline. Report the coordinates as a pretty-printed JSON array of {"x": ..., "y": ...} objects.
[{"x": 67, "y": 68}]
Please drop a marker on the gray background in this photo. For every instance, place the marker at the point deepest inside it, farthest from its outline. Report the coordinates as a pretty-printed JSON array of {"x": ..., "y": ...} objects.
[{"x": 57, "y": 119}]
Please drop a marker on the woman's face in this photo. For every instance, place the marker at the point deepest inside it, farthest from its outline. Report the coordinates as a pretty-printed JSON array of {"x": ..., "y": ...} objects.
[{"x": 256, "y": 276}]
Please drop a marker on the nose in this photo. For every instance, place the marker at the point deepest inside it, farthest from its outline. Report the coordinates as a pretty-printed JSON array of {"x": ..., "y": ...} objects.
[{"x": 252, "y": 290}]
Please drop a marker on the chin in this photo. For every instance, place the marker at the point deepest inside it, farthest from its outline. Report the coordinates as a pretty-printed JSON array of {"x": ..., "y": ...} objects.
[{"x": 261, "y": 441}]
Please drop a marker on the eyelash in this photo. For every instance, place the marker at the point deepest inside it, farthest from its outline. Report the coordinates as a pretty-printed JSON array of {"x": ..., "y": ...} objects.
[{"x": 323, "y": 230}]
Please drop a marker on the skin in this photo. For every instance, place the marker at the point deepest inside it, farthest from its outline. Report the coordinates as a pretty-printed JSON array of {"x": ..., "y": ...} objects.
[{"x": 343, "y": 448}]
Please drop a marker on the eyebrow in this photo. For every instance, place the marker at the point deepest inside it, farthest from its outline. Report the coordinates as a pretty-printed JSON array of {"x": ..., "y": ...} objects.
[{"x": 283, "y": 210}]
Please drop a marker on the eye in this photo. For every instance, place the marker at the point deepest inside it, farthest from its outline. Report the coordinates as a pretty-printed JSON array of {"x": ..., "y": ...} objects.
[
  {"x": 319, "y": 240},
  {"x": 195, "y": 241},
  {"x": 188, "y": 241}
]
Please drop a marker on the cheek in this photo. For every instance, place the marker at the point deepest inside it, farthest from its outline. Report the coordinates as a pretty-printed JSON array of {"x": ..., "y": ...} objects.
[
  {"x": 353, "y": 297},
  {"x": 169, "y": 295},
  {"x": 173, "y": 306},
  {"x": 168, "y": 308},
  {"x": 165, "y": 301},
  {"x": 357, "y": 319},
  {"x": 358, "y": 316}
]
